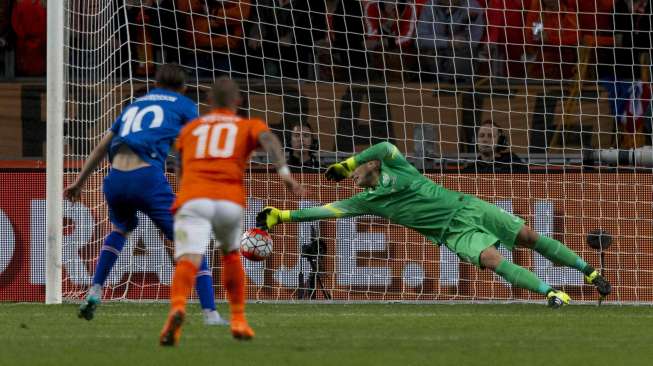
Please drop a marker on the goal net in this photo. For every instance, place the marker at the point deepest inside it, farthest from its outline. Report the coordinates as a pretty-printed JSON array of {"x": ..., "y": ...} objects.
[{"x": 541, "y": 109}]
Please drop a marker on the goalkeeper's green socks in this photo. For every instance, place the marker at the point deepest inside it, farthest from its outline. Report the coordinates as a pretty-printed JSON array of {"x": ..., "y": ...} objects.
[
  {"x": 559, "y": 254},
  {"x": 521, "y": 277}
]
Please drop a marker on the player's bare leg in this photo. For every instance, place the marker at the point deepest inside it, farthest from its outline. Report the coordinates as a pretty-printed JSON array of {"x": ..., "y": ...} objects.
[
  {"x": 560, "y": 254},
  {"x": 182, "y": 283},
  {"x": 521, "y": 277},
  {"x": 233, "y": 277}
]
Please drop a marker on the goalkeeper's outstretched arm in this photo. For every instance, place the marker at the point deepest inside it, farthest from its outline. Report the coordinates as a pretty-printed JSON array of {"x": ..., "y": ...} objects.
[
  {"x": 271, "y": 216},
  {"x": 383, "y": 151}
]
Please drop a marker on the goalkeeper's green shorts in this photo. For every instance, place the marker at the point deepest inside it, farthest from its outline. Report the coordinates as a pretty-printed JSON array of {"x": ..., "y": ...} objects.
[{"x": 479, "y": 225}]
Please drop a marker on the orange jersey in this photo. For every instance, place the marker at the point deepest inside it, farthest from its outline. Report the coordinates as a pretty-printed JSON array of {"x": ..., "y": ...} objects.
[{"x": 215, "y": 150}]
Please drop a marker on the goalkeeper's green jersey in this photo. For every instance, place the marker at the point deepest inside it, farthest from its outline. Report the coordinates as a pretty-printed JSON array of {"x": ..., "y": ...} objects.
[{"x": 403, "y": 195}]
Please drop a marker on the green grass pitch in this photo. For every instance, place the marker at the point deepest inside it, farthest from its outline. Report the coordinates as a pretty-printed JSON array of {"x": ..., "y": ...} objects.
[{"x": 333, "y": 334}]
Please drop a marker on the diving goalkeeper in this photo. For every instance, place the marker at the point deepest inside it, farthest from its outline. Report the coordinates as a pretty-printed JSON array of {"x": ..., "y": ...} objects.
[{"x": 468, "y": 226}]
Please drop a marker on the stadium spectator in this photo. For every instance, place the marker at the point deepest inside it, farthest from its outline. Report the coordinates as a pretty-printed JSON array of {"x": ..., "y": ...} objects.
[
  {"x": 504, "y": 37},
  {"x": 348, "y": 42},
  {"x": 28, "y": 20},
  {"x": 448, "y": 35},
  {"x": 595, "y": 21},
  {"x": 594, "y": 16},
  {"x": 324, "y": 56},
  {"x": 390, "y": 33},
  {"x": 281, "y": 35},
  {"x": 260, "y": 47},
  {"x": 494, "y": 153},
  {"x": 6, "y": 68},
  {"x": 629, "y": 84},
  {"x": 632, "y": 19},
  {"x": 551, "y": 30},
  {"x": 213, "y": 34},
  {"x": 295, "y": 107},
  {"x": 143, "y": 23},
  {"x": 85, "y": 45},
  {"x": 301, "y": 153},
  {"x": 5, "y": 22},
  {"x": 153, "y": 34},
  {"x": 351, "y": 67}
]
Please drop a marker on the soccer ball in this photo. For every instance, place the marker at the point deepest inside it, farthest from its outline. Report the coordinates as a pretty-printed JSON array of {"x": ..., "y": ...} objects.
[{"x": 256, "y": 244}]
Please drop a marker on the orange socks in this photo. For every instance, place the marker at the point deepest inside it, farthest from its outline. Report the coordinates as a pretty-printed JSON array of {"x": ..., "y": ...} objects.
[
  {"x": 182, "y": 283},
  {"x": 233, "y": 277}
]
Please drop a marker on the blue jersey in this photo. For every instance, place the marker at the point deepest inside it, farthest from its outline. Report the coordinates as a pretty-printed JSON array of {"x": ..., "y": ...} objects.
[{"x": 150, "y": 125}]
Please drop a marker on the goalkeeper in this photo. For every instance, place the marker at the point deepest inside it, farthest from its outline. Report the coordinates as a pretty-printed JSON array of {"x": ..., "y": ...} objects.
[{"x": 468, "y": 226}]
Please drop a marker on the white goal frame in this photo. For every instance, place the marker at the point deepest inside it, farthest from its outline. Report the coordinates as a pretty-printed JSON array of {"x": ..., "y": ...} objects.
[{"x": 54, "y": 154}]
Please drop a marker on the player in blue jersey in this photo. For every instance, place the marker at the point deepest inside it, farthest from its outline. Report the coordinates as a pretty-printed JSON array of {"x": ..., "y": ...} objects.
[{"x": 137, "y": 145}]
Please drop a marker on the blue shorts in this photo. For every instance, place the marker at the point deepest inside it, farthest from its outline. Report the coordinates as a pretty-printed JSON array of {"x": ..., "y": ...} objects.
[{"x": 146, "y": 190}]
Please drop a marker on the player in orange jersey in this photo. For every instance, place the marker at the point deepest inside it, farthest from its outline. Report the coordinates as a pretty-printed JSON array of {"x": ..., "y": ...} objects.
[{"x": 215, "y": 150}]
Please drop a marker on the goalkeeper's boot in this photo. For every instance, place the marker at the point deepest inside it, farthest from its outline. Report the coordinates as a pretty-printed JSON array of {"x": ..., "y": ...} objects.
[
  {"x": 87, "y": 308},
  {"x": 240, "y": 329},
  {"x": 557, "y": 299},
  {"x": 602, "y": 285},
  {"x": 171, "y": 331},
  {"x": 212, "y": 317}
]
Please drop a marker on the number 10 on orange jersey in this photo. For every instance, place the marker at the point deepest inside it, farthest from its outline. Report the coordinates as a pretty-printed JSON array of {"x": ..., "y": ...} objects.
[{"x": 219, "y": 139}]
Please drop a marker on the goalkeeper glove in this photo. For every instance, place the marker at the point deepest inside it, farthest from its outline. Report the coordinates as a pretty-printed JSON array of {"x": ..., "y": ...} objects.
[
  {"x": 271, "y": 216},
  {"x": 340, "y": 171}
]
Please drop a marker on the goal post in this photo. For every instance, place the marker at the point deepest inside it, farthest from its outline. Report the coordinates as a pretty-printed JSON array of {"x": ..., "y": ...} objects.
[{"x": 56, "y": 18}]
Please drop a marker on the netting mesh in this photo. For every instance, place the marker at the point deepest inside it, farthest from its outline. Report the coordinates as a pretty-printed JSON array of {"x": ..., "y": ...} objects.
[{"x": 520, "y": 102}]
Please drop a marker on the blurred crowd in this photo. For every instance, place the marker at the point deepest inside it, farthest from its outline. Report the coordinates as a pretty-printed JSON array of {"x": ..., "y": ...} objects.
[
  {"x": 22, "y": 37},
  {"x": 392, "y": 41},
  {"x": 388, "y": 41},
  {"x": 366, "y": 45}
]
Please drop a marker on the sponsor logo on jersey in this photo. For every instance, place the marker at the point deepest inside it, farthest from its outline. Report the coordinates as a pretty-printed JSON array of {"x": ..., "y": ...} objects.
[{"x": 157, "y": 97}]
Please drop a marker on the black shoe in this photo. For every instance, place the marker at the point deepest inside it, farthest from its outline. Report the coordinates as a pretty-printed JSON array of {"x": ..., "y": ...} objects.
[
  {"x": 602, "y": 285},
  {"x": 87, "y": 309}
]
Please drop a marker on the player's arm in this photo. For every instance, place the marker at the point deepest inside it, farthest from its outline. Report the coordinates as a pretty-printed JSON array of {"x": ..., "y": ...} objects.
[
  {"x": 271, "y": 144},
  {"x": 73, "y": 192},
  {"x": 178, "y": 146},
  {"x": 271, "y": 216},
  {"x": 383, "y": 151}
]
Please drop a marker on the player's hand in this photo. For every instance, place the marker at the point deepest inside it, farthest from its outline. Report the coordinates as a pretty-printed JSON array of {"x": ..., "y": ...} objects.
[
  {"x": 337, "y": 172},
  {"x": 73, "y": 192},
  {"x": 268, "y": 217},
  {"x": 293, "y": 186}
]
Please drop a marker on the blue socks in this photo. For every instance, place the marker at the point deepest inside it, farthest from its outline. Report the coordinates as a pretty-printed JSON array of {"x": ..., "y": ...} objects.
[
  {"x": 109, "y": 253},
  {"x": 204, "y": 286}
]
